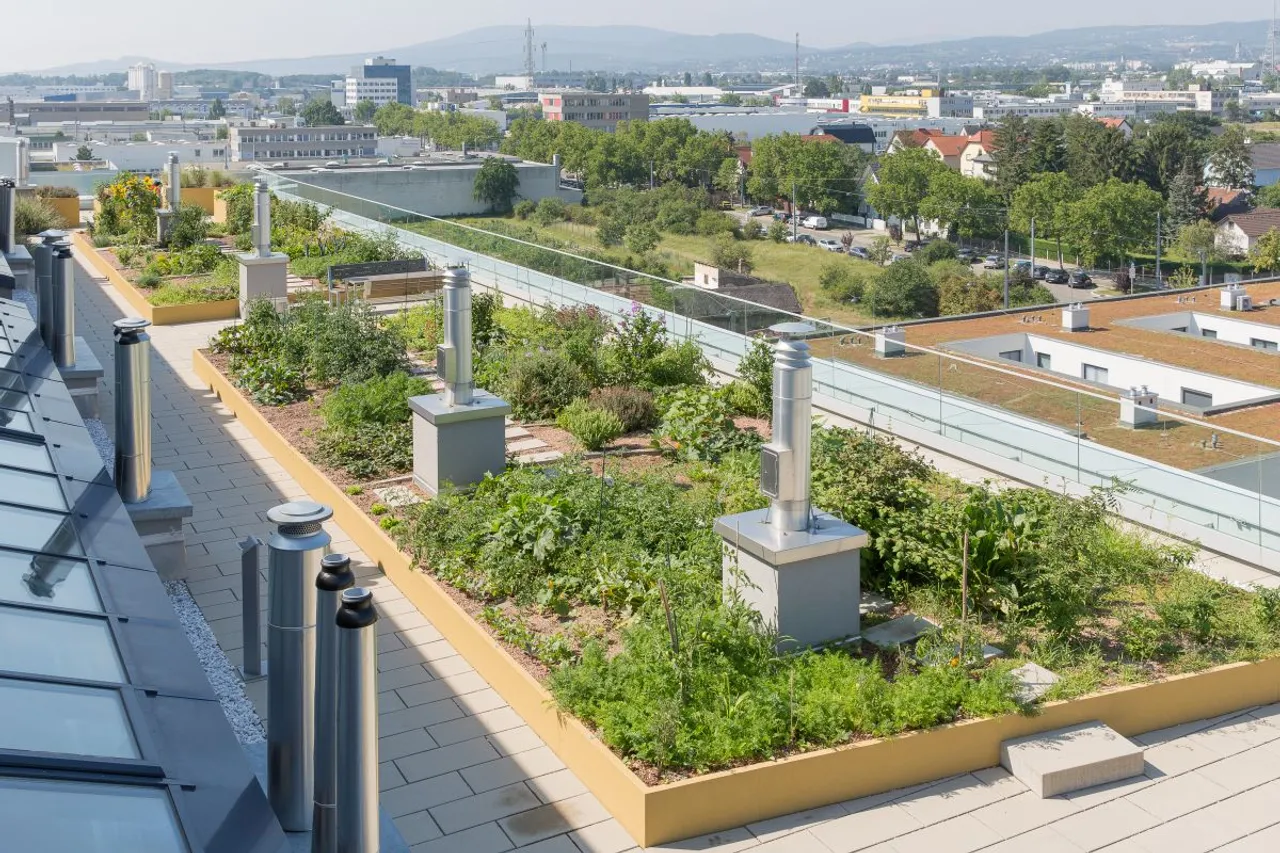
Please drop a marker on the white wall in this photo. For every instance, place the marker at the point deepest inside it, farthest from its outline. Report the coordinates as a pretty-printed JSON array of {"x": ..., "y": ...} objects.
[
  {"x": 9, "y": 157},
  {"x": 1229, "y": 329},
  {"x": 147, "y": 156}
]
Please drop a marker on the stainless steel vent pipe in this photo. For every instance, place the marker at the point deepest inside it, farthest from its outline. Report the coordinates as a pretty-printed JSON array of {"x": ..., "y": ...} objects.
[
  {"x": 785, "y": 461},
  {"x": 294, "y": 555},
  {"x": 42, "y": 255},
  {"x": 24, "y": 161},
  {"x": 62, "y": 290},
  {"x": 453, "y": 358},
  {"x": 335, "y": 576},
  {"x": 174, "y": 175},
  {"x": 8, "y": 212},
  {"x": 133, "y": 408},
  {"x": 357, "y": 723},
  {"x": 261, "y": 218}
]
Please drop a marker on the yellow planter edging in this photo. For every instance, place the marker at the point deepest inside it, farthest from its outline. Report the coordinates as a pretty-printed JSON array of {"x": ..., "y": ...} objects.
[
  {"x": 68, "y": 210},
  {"x": 219, "y": 212},
  {"x": 202, "y": 197},
  {"x": 719, "y": 801},
  {"x": 159, "y": 315}
]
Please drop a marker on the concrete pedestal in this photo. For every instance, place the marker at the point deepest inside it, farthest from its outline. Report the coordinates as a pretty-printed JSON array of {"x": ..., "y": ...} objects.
[
  {"x": 158, "y": 521},
  {"x": 263, "y": 278},
  {"x": 459, "y": 445},
  {"x": 23, "y": 268},
  {"x": 805, "y": 585},
  {"x": 164, "y": 224},
  {"x": 82, "y": 379},
  {"x": 891, "y": 342}
]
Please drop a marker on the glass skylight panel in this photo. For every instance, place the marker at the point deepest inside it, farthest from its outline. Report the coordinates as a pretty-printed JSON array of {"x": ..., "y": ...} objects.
[
  {"x": 64, "y": 718},
  {"x": 24, "y": 454},
  {"x": 30, "y": 489},
  {"x": 45, "y": 580},
  {"x": 58, "y": 645},
  {"x": 13, "y": 419},
  {"x": 37, "y": 530},
  {"x": 83, "y": 817}
]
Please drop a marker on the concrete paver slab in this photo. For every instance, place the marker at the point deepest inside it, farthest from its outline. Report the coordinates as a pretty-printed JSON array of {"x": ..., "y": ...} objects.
[{"x": 1071, "y": 759}]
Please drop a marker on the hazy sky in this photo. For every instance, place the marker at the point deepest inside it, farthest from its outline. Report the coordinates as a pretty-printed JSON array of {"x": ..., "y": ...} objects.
[{"x": 87, "y": 30}]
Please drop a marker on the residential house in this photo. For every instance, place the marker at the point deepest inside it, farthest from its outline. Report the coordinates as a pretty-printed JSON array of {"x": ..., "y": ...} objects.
[
  {"x": 915, "y": 138},
  {"x": 1266, "y": 163},
  {"x": 947, "y": 148},
  {"x": 977, "y": 160},
  {"x": 1240, "y": 232},
  {"x": 1222, "y": 202},
  {"x": 860, "y": 135},
  {"x": 1117, "y": 123}
]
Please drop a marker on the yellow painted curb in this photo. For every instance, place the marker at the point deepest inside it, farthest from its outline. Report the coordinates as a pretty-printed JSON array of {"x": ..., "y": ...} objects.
[
  {"x": 719, "y": 801},
  {"x": 159, "y": 315}
]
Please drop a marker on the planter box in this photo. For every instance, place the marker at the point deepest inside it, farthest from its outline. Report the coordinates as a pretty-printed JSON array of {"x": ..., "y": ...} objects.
[
  {"x": 719, "y": 801},
  {"x": 159, "y": 315},
  {"x": 68, "y": 210},
  {"x": 219, "y": 211},
  {"x": 202, "y": 197}
]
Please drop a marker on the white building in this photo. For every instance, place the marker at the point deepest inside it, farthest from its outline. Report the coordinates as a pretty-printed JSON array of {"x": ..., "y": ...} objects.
[
  {"x": 1222, "y": 69},
  {"x": 150, "y": 156},
  {"x": 142, "y": 79},
  {"x": 513, "y": 81},
  {"x": 380, "y": 90},
  {"x": 284, "y": 144},
  {"x": 164, "y": 85}
]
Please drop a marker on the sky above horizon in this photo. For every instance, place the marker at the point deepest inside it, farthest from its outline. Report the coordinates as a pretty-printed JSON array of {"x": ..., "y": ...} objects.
[{"x": 91, "y": 30}]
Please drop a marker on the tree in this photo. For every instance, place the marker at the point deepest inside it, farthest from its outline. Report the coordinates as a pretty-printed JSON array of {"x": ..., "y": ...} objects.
[
  {"x": 730, "y": 254},
  {"x": 815, "y": 88},
  {"x": 1163, "y": 150},
  {"x": 1046, "y": 199},
  {"x": 731, "y": 99},
  {"x": 642, "y": 237},
  {"x": 364, "y": 110},
  {"x": 597, "y": 83},
  {"x": 880, "y": 251},
  {"x": 962, "y": 206},
  {"x": 1197, "y": 242},
  {"x": 221, "y": 133},
  {"x": 320, "y": 112},
  {"x": 84, "y": 152},
  {"x": 1230, "y": 163},
  {"x": 610, "y": 231},
  {"x": 1265, "y": 254},
  {"x": 1095, "y": 153},
  {"x": 287, "y": 106},
  {"x": 726, "y": 179},
  {"x": 1232, "y": 111},
  {"x": 217, "y": 110},
  {"x": 1047, "y": 151},
  {"x": 395, "y": 119},
  {"x": 904, "y": 183},
  {"x": 1269, "y": 196},
  {"x": 904, "y": 290},
  {"x": 961, "y": 291},
  {"x": 823, "y": 174},
  {"x": 496, "y": 184},
  {"x": 778, "y": 231},
  {"x": 1187, "y": 201},
  {"x": 1112, "y": 220},
  {"x": 495, "y": 102},
  {"x": 707, "y": 80},
  {"x": 1012, "y": 155}
]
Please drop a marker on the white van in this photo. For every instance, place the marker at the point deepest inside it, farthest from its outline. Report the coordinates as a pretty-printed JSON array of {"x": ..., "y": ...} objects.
[{"x": 817, "y": 223}]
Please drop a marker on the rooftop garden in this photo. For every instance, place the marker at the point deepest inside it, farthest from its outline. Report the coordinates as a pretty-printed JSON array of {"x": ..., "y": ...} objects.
[{"x": 602, "y": 575}]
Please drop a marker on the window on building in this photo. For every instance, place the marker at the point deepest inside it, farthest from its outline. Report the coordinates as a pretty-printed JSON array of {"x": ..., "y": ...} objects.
[
  {"x": 1178, "y": 329},
  {"x": 1093, "y": 373},
  {"x": 1044, "y": 361},
  {"x": 1199, "y": 399},
  {"x": 1012, "y": 355},
  {"x": 1259, "y": 343},
  {"x": 1208, "y": 333}
]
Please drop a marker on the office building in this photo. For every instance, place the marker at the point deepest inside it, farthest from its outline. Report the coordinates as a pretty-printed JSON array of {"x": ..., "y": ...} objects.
[
  {"x": 38, "y": 112},
  {"x": 379, "y": 91},
  {"x": 371, "y": 82},
  {"x": 596, "y": 110},
  {"x": 330, "y": 142},
  {"x": 164, "y": 85}
]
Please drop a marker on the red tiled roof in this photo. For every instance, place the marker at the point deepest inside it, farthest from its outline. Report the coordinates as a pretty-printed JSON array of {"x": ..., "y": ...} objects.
[
  {"x": 1258, "y": 222},
  {"x": 985, "y": 138},
  {"x": 819, "y": 137},
  {"x": 1222, "y": 195},
  {"x": 949, "y": 146},
  {"x": 1112, "y": 121}
]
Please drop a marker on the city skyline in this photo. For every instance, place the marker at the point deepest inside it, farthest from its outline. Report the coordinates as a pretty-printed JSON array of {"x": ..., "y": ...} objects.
[{"x": 106, "y": 33}]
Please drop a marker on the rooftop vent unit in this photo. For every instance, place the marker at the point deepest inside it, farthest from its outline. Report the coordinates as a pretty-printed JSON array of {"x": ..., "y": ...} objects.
[
  {"x": 1075, "y": 318},
  {"x": 1234, "y": 298}
]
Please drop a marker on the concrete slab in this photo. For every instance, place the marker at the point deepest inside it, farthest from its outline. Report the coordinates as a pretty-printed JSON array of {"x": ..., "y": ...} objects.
[
  {"x": 525, "y": 444},
  {"x": 1034, "y": 681},
  {"x": 517, "y": 432},
  {"x": 897, "y": 632},
  {"x": 874, "y": 602},
  {"x": 1071, "y": 759},
  {"x": 540, "y": 458}
]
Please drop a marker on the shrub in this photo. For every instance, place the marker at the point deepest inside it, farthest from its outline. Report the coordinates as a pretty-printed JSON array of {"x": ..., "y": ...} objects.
[
  {"x": 197, "y": 259},
  {"x": 422, "y": 327},
  {"x": 756, "y": 367},
  {"x": 540, "y": 384},
  {"x": 746, "y": 400},
  {"x": 270, "y": 383},
  {"x": 934, "y": 251},
  {"x": 698, "y": 423},
  {"x": 550, "y": 210},
  {"x": 128, "y": 206},
  {"x": 57, "y": 192},
  {"x": 239, "y": 201},
  {"x": 730, "y": 254},
  {"x": 33, "y": 215},
  {"x": 633, "y": 407},
  {"x": 369, "y": 451},
  {"x": 682, "y": 364},
  {"x": 840, "y": 282},
  {"x": 148, "y": 278},
  {"x": 343, "y": 343},
  {"x": 524, "y": 208},
  {"x": 382, "y": 400},
  {"x": 189, "y": 227},
  {"x": 713, "y": 222},
  {"x": 904, "y": 290},
  {"x": 778, "y": 231},
  {"x": 593, "y": 427}
]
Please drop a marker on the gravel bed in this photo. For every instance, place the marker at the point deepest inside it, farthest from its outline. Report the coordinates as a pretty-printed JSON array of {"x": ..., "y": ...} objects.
[
  {"x": 221, "y": 674},
  {"x": 102, "y": 441},
  {"x": 27, "y": 298}
]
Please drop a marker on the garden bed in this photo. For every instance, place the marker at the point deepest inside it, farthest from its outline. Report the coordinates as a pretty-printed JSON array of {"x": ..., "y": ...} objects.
[{"x": 590, "y": 597}]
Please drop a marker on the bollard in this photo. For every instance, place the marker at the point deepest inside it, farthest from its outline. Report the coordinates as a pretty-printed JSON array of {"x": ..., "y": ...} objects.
[
  {"x": 357, "y": 723},
  {"x": 335, "y": 576},
  {"x": 293, "y": 560},
  {"x": 42, "y": 254},
  {"x": 174, "y": 175},
  {"x": 8, "y": 212},
  {"x": 62, "y": 289},
  {"x": 133, "y": 408},
  {"x": 251, "y": 608}
]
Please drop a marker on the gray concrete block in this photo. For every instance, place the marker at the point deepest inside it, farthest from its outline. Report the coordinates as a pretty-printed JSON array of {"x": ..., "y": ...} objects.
[
  {"x": 457, "y": 445},
  {"x": 874, "y": 602},
  {"x": 1034, "y": 681},
  {"x": 898, "y": 632},
  {"x": 159, "y": 522},
  {"x": 1071, "y": 759}
]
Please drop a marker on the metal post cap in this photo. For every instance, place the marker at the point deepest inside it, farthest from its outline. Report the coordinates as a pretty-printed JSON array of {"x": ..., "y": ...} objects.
[
  {"x": 299, "y": 512},
  {"x": 357, "y": 608},
  {"x": 130, "y": 325},
  {"x": 457, "y": 275},
  {"x": 787, "y": 331},
  {"x": 335, "y": 573},
  {"x": 53, "y": 235}
]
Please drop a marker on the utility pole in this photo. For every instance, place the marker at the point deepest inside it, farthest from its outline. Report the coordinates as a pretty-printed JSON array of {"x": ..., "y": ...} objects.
[
  {"x": 1157, "y": 248},
  {"x": 1006, "y": 267},
  {"x": 529, "y": 68}
]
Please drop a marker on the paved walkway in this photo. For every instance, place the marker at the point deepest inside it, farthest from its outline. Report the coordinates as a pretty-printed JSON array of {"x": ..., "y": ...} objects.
[{"x": 462, "y": 772}]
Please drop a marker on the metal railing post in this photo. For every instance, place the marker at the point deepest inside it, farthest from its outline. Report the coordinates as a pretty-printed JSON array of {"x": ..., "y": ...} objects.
[
  {"x": 251, "y": 608},
  {"x": 358, "y": 728},
  {"x": 335, "y": 577}
]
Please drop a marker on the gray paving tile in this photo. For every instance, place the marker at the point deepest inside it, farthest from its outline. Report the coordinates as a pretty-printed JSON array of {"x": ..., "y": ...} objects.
[
  {"x": 417, "y": 827},
  {"x": 417, "y": 796},
  {"x": 865, "y": 828},
  {"x": 777, "y": 827},
  {"x": 556, "y": 786},
  {"x": 488, "y": 838},
  {"x": 1104, "y": 824},
  {"x": 608, "y": 836},
  {"x": 554, "y": 819},
  {"x": 961, "y": 834},
  {"x": 445, "y": 759},
  {"x": 726, "y": 841},
  {"x": 1026, "y": 811},
  {"x": 515, "y": 768},
  {"x": 400, "y": 745},
  {"x": 483, "y": 808}
]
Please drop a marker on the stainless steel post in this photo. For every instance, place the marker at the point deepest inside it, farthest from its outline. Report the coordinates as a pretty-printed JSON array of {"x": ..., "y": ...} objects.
[
  {"x": 251, "y": 608},
  {"x": 785, "y": 468},
  {"x": 63, "y": 316},
  {"x": 357, "y": 723},
  {"x": 174, "y": 175},
  {"x": 133, "y": 409},
  {"x": 261, "y": 218},
  {"x": 42, "y": 254},
  {"x": 293, "y": 561},
  {"x": 24, "y": 161},
  {"x": 8, "y": 209},
  {"x": 455, "y": 354},
  {"x": 335, "y": 576}
]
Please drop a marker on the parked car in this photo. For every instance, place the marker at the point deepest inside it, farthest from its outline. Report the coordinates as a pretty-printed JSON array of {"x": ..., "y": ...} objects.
[
  {"x": 830, "y": 245},
  {"x": 1058, "y": 276},
  {"x": 1079, "y": 278},
  {"x": 782, "y": 216},
  {"x": 1040, "y": 273},
  {"x": 911, "y": 245},
  {"x": 859, "y": 252},
  {"x": 1022, "y": 267},
  {"x": 801, "y": 238},
  {"x": 993, "y": 262},
  {"x": 900, "y": 256},
  {"x": 817, "y": 223},
  {"x": 762, "y": 210}
]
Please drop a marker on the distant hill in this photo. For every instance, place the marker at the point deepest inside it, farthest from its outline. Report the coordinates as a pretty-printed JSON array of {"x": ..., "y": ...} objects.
[{"x": 499, "y": 49}]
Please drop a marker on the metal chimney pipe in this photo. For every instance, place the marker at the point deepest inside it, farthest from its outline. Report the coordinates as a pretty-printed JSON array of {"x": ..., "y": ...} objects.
[
  {"x": 358, "y": 723},
  {"x": 174, "y": 174},
  {"x": 455, "y": 354},
  {"x": 133, "y": 408},
  {"x": 62, "y": 288},
  {"x": 42, "y": 254},
  {"x": 8, "y": 211},
  {"x": 789, "y": 506},
  {"x": 24, "y": 161},
  {"x": 261, "y": 218},
  {"x": 335, "y": 576},
  {"x": 293, "y": 561}
]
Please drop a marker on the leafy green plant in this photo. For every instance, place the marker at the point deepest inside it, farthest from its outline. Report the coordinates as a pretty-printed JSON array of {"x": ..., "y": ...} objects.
[
  {"x": 369, "y": 450},
  {"x": 383, "y": 400},
  {"x": 1266, "y": 608},
  {"x": 542, "y": 383},
  {"x": 592, "y": 427},
  {"x": 633, "y": 407},
  {"x": 269, "y": 383},
  {"x": 378, "y": 509},
  {"x": 756, "y": 367},
  {"x": 388, "y": 522},
  {"x": 355, "y": 490},
  {"x": 34, "y": 215},
  {"x": 697, "y": 423},
  {"x": 537, "y": 525},
  {"x": 744, "y": 399},
  {"x": 148, "y": 278},
  {"x": 189, "y": 227}
]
